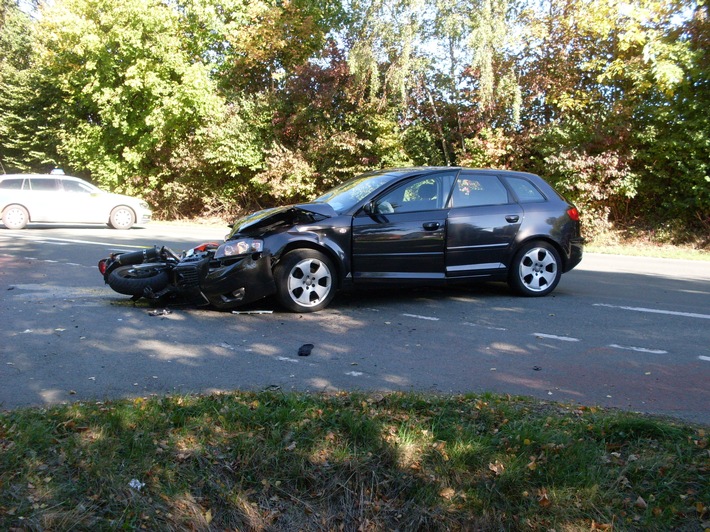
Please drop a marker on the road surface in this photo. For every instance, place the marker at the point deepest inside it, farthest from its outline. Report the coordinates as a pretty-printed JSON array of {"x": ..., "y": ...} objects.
[{"x": 625, "y": 332}]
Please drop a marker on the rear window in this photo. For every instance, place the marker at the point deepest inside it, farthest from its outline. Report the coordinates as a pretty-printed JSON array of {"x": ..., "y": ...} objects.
[
  {"x": 525, "y": 190},
  {"x": 11, "y": 184},
  {"x": 475, "y": 190}
]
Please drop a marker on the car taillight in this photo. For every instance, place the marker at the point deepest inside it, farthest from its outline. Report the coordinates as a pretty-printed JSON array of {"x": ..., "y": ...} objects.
[
  {"x": 102, "y": 266},
  {"x": 573, "y": 213}
]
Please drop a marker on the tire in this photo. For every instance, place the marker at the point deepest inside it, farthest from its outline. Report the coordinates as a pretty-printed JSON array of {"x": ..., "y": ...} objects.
[
  {"x": 122, "y": 217},
  {"x": 15, "y": 217},
  {"x": 133, "y": 280},
  {"x": 304, "y": 281},
  {"x": 536, "y": 269}
]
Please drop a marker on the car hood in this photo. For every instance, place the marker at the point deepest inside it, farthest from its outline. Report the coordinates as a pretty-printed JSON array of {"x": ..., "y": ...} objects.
[{"x": 263, "y": 221}]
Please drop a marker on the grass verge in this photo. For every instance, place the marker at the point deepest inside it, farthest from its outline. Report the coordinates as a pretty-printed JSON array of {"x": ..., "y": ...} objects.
[
  {"x": 647, "y": 244},
  {"x": 256, "y": 461}
]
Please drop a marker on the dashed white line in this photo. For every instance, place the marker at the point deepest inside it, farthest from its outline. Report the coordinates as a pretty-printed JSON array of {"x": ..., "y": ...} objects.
[
  {"x": 468, "y": 324},
  {"x": 554, "y": 337},
  {"x": 706, "y": 359},
  {"x": 639, "y": 349},
  {"x": 657, "y": 311},
  {"x": 430, "y": 318}
]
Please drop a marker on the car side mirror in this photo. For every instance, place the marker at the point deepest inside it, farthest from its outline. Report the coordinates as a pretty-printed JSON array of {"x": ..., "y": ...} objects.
[{"x": 369, "y": 208}]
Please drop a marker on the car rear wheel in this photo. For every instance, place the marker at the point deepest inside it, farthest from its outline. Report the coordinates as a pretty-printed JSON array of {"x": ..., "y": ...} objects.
[
  {"x": 535, "y": 270},
  {"x": 304, "y": 281},
  {"x": 15, "y": 217},
  {"x": 122, "y": 218}
]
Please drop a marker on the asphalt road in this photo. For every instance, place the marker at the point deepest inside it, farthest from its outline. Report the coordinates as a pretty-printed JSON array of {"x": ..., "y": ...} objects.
[{"x": 632, "y": 333}]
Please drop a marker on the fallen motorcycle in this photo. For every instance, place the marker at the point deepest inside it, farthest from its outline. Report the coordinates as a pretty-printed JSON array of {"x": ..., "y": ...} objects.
[{"x": 199, "y": 276}]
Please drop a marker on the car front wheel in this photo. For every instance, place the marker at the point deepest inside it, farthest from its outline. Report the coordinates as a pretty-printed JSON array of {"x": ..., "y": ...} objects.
[
  {"x": 121, "y": 218},
  {"x": 535, "y": 270},
  {"x": 15, "y": 217},
  {"x": 304, "y": 281}
]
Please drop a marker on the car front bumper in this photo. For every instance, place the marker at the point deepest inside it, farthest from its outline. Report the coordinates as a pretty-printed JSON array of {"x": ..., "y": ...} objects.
[{"x": 242, "y": 282}]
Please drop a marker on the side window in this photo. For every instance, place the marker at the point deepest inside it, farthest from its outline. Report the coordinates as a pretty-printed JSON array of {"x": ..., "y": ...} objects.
[
  {"x": 75, "y": 186},
  {"x": 424, "y": 193},
  {"x": 473, "y": 190},
  {"x": 11, "y": 184},
  {"x": 525, "y": 190},
  {"x": 49, "y": 185}
]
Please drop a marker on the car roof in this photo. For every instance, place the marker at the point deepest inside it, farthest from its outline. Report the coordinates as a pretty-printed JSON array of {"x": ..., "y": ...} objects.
[
  {"x": 38, "y": 176},
  {"x": 419, "y": 170}
]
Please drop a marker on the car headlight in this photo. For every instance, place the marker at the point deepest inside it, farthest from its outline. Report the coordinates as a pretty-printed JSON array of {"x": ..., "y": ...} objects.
[
  {"x": 144, "y": 205},
  {"x": 236, "y": 248}
]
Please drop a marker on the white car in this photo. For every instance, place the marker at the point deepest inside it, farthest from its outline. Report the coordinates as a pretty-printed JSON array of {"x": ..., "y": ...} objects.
[{"x": 58, "y": 198}]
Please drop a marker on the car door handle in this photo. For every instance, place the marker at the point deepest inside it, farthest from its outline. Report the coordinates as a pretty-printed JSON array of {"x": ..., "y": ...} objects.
[
  {"x": 431, "y": 226},
  {"x": 512, "y": 218}
]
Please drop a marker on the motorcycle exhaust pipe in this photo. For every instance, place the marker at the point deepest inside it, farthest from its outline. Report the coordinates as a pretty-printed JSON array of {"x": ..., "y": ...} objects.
[{"x": 138, "y": 257}]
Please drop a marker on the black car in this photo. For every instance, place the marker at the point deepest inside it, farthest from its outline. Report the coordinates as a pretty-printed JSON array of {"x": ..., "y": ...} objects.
[{"x": 415, "y": 225}]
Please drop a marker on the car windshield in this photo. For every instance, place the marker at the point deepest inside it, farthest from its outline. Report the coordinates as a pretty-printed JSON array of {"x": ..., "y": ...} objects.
[{"x": 346, "y": 195}]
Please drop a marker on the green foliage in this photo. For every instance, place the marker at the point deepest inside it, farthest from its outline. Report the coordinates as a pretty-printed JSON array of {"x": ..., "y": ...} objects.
[
  {"x": 213, "y": 107},
  {"x": 601, "y": 185}
]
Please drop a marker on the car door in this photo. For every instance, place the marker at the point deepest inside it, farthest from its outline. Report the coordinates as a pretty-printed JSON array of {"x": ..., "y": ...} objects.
[
  {"x": 87, "y": 204},
  {"x": 482, "y": 224},
  {"x": 402, "y": 234},
  {"x": 43, "y": 201}
]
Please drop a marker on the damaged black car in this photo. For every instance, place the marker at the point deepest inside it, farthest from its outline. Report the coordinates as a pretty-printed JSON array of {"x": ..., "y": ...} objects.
[{"x": 422, "y": 226}]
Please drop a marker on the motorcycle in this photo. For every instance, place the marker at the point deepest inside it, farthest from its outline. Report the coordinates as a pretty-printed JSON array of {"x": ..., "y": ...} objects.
[{"x": 200, "y": 276}]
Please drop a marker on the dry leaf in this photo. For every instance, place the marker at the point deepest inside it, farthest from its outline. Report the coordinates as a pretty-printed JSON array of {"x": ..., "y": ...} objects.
[
  {"x": 497, "y": 467},
  {"x": 542, "y": 498},
  {"x": 532, "y": 466},
  {"x": 640, "y": 503},
  {"x": 447, "y": 493}
]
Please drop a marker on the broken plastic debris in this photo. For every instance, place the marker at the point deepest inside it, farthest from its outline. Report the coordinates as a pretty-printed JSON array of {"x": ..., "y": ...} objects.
[
  {"x": 305, "y": 350},
  {"x": 252, "y": 312},
  {"x": 136, "y": 484}
]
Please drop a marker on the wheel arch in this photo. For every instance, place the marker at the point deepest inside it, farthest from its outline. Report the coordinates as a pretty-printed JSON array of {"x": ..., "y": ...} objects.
[
  {"x": 12, "y": 204},
  {"x": 564, "y": 256},
  {"x": 127, "y": 206},
  {"x": 333, "y": 255}
]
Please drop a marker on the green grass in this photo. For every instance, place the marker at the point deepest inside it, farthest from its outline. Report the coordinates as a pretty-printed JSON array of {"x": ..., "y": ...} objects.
[{"x": 258, "y": 461}]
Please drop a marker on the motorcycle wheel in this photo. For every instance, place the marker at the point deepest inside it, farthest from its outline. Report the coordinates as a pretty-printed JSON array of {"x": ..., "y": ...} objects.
[{"x": 133, "y": 280}]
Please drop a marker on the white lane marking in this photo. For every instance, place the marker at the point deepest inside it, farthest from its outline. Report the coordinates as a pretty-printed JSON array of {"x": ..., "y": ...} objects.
[
  {"x": 286, "y": 359},
  {"x": 485, "y": 326},
  {"x": 706, "y": 359},
  {"x": 554, "y": 337},
  {"x": 354, "y": 373},
  {"x": 52, "y": 240},
  {"x": 657, "y": 311},
  {"x": 430, "y": 318},
  {"x": 639, "y": 349}
]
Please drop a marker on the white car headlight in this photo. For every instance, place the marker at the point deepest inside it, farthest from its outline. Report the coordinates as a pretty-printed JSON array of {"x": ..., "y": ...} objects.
[{"x": 236, "y": 248}]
